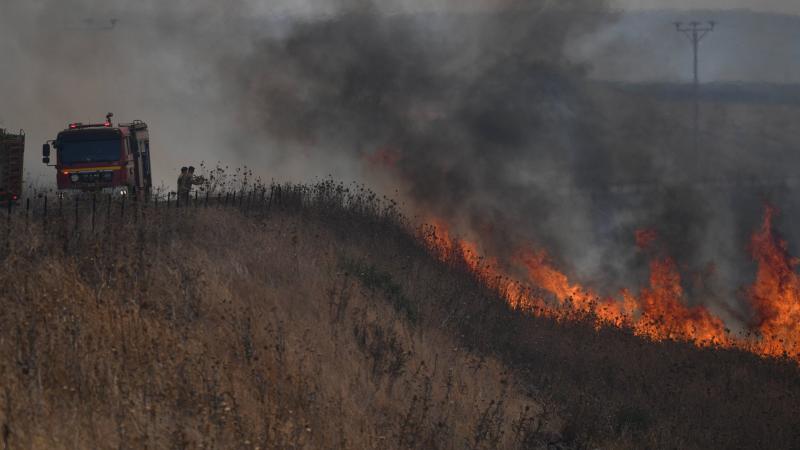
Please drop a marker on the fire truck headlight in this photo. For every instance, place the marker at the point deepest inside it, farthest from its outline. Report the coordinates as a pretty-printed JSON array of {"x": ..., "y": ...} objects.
[{"x": 74, "y": 177}]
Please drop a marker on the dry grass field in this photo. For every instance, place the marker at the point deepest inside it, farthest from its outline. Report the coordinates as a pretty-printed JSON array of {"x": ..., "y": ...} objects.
[
  {"x": 205, "y": 329},
  {"x": 325, "y": 323}
]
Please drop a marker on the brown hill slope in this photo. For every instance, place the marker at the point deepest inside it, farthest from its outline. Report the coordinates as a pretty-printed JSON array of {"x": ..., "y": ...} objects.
[
  {"x": 325, "y": 323},
  {"x": 207, "y": 329}
]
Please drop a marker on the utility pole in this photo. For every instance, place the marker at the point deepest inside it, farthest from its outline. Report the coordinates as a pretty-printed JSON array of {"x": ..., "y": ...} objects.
[{"x": 696, "y": 31}]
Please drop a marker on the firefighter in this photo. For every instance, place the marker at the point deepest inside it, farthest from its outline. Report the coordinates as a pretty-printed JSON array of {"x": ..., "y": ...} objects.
[
  {"x": 182, "y": 184},
  {"x": 188, "y": 181}
]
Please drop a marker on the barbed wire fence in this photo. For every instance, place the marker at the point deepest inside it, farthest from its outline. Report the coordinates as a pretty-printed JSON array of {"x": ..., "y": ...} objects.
[{"x": 73, "y": 218}]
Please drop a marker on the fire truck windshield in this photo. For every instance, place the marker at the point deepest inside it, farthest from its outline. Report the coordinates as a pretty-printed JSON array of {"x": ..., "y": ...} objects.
[{"x": 75, "y": 152}]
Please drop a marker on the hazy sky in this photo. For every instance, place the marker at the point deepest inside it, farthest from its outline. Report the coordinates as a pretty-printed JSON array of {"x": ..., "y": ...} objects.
[{"x": 783, "y": 6}]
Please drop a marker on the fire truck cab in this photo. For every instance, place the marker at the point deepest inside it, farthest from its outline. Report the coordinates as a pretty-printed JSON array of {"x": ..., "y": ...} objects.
[{"x": 103, "y": 157}]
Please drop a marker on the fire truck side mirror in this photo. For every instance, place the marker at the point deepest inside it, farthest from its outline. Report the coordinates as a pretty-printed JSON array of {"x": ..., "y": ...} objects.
[{"x": 46, "y": 153}]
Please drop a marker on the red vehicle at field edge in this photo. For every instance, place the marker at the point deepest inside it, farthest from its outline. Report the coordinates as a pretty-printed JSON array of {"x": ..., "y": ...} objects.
[{"x": 103, "y": 157}]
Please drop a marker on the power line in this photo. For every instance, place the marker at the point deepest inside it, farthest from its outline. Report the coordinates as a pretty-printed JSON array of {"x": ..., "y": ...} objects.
[{"x": 696, "y": 31}]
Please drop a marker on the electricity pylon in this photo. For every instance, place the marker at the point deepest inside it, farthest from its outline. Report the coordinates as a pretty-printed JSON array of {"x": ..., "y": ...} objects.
[{"x": 696, "y": 31}]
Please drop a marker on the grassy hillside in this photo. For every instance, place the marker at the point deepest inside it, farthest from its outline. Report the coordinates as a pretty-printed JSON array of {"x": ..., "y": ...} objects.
[{"x": 324, "y": 322}]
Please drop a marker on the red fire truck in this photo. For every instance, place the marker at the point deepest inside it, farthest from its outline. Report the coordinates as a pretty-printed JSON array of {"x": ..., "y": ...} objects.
[
  {"x": 12, "y": 148},
  {"x": 103, "y": 157}
]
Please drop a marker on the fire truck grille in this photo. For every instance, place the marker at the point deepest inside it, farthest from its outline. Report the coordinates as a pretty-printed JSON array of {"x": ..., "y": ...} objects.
[{"x": 94, "y": 177}]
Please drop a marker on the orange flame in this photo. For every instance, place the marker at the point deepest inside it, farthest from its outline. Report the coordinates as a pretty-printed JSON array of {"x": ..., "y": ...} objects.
[
  {"x": 659, "y": 312},
  {"x": 664, "y": 315},
  {"x": 775, "y": 295},
  {"x": 645, "y": 238}
]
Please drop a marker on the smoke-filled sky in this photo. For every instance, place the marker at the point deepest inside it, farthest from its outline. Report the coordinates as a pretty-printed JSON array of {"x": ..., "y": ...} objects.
[
  {"x": 478, "y": 112},
  {"x": 162, "y": 61},
  {"x": 779, "y": 6}
]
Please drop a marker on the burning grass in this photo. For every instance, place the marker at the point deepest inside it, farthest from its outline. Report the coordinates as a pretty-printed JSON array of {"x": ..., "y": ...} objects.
[
  {"x": 659, "y": 311},
  {"x": 326, "y": 321}
]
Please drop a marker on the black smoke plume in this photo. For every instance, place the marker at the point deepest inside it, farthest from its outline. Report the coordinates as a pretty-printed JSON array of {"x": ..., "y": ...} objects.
[
  {"x": 473, "y": 114},
  {"x": 480, "y": 119}
]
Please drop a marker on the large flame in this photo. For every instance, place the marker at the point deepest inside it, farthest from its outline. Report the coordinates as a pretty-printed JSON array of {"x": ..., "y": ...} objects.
[
  {"x": 775, "y": 295},
  {"x": 660, "y": 310},
  {"x": 664, "y": 314}
]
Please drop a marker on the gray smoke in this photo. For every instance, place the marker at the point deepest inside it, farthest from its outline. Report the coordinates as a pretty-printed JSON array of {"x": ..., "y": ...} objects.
[
  {"x": 481, "y": 119},
  {"x": 474, "y": 117},
  {"x": 67, "y": 61},
  {"x": 644, "y": 46},
  {"x": 468, "y": 111}
]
